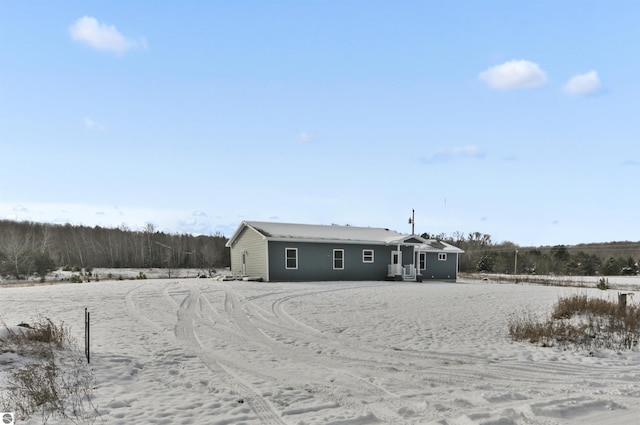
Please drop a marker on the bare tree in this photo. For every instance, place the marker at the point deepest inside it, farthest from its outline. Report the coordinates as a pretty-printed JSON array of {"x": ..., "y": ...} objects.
[
  {"x": 81, "y": 246},
  {"x": 16, "y": 250}
]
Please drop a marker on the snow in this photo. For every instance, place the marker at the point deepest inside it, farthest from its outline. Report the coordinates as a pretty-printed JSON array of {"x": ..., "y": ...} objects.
[
  {"x": 294, "y": 231},
  {"x": 614, "y": 282},
  {"x": 202, "y": 351}
]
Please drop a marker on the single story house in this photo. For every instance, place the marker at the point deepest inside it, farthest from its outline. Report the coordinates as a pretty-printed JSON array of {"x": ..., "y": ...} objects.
[{"x": 307, "y": 252}]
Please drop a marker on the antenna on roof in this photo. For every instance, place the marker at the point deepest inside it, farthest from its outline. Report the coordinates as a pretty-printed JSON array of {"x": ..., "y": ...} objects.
[{"x": 412, "y": 221}]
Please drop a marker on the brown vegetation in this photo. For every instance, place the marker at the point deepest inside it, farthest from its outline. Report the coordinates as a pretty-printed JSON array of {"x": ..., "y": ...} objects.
[
  {"x": 51, "y": 377},
  {"x": 581, "y": 322}
]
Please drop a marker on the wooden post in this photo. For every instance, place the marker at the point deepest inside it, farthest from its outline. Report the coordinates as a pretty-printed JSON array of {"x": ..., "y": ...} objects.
[
  {"x": 87, "y": 326},
  {"x": 622, "y": 301}
]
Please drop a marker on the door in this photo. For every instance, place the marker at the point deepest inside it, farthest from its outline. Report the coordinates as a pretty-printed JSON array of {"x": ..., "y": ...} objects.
[
  {"x": 395, "y": 257},
  {"x": 244, "y": 263},
  {"x": 422, "y": 261},
  {"x": 396, "y": 263}
]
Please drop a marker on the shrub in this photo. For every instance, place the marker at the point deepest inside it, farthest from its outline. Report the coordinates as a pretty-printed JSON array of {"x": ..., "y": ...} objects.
[
  {"x": 530, "y": 329},
  {"x": 603, "y": 284},
  {"x": 581, "y": 322},
  {"x": 43, "y": 331},
  {"x": 53, "y": 381},
  {"x": 568, "y": 307}
]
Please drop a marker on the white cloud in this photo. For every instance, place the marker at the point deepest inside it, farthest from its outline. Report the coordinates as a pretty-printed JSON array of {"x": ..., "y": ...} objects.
[
  {"x": 466, "y": 151},
  {"x": 305, "y": 137},
  {"x": 583, "y": 84},
  {"x": 515, "y": 74},
  {"x": 459, "y": 152},
  {"x": 133, "y": 218},
  {"x": 89, "y": 31},
  {"x": 631, "y": 163},
  {"x": 92, "y": 125}
]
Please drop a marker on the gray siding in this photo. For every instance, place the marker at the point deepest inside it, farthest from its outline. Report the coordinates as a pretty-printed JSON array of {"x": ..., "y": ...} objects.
[
  {"x": 315, "y": 262},
  {"x": 256, "y": 254},
  {"x": 441, "y": 270}
]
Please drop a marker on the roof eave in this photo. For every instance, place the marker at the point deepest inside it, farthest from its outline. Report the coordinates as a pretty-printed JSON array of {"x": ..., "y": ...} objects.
[
  {"x": 241, "y": 227},
  {"x": 312, "y": 240}
]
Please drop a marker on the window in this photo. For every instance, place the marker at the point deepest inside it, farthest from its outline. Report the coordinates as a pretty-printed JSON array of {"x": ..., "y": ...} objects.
[
  {"x": 291, "y": 258},
  {"x": 422, "y": 261},
  {"x": 442, "y": 256},
  {"x": 338, "y": 259},
  {"x": 367, "y": 255}
]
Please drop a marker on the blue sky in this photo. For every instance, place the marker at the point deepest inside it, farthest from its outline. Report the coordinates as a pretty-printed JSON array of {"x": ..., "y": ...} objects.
[{"x": 516, "y": 119}]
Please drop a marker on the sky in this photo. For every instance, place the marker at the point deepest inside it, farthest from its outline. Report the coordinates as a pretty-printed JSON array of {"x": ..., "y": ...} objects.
[{"x": 513, "y": 119}]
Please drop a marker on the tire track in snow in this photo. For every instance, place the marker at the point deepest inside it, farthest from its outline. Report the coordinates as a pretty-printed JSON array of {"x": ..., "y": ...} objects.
[
  {"x": 466, "y": 365},
  {"x": 185, "y": 331},
  {"x": 497, "y": 380},
  {"x": 133, "y": 309},
  {"x": 428, "y": 364},
  {"x": 499, "y": 383},
  {"x": 148, "y": 308},
  {"x": 446, "y": 368},
  {"x": 278, "y": 309},
  {"x": 390, "y": 405},
  {"x": 187, "y": 313},
  {"x": 357, "y": 355}
]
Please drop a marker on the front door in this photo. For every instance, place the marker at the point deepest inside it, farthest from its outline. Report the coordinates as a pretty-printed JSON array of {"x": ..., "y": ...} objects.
[
  {"x": 396, "y": 257},
  {"x": 396, "y": 263},
  {"x": 422, "y": 261}
]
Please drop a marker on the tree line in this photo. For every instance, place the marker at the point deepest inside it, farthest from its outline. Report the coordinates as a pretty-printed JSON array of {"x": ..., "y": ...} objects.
[
  {"x": 597, "y": 259},
  {"x": 28, "y": 248}
]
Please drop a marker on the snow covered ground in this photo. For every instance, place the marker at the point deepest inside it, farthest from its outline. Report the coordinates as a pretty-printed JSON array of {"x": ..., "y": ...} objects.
[
  {"x": 614, "y": 282},
  {"x": 201, "y": 351}
]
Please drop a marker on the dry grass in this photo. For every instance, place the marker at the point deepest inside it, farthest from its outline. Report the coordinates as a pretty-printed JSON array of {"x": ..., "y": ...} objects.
[
  {"x": 581, "y": 322},
  {"x": 568, "y": 307},
  {"x": 51, "y": 379}
]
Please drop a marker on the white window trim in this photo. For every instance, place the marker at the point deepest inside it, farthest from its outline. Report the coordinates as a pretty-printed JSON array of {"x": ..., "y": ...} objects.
[
  {"x": 372, "y": 255},
  {"x": 334, "y": 259},
  {"x": 442, "y": 256},
  {"x": 286, "y": 258},
  {"x": 422, "y": 260}
]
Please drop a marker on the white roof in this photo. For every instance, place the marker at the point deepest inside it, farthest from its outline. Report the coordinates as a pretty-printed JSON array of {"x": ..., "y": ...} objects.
[
  {"x": 438, "y": 246},
  {"x": 324, "y": 233},
  {"x": 333, "y": 233}
]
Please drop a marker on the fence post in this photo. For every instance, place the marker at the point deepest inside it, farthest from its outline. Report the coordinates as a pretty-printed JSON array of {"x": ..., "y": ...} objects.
[
  {"x": 622, "y": 301},
  {"x": 87, "y": 326}
]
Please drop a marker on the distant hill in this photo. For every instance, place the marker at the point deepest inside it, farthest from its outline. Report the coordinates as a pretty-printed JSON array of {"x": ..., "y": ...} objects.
[
  {"x": 590, "y": 259},
  {"x": 606, "y": 250}
]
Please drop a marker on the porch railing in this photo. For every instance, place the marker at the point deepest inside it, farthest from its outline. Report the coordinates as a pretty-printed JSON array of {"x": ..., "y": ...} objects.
[
  {"x": 407, "y": 272},
  {"x": 395, "y": 270}
]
